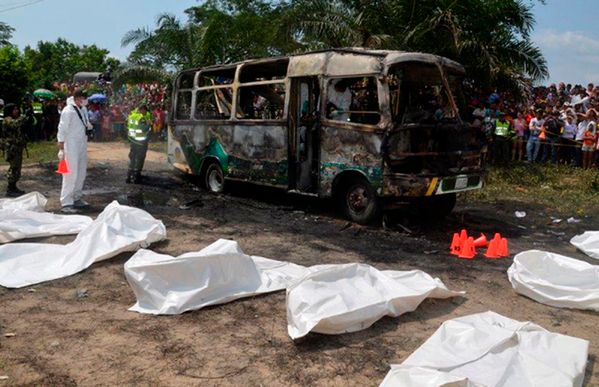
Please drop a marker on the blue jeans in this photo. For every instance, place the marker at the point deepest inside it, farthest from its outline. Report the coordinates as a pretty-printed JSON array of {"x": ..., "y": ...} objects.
[{"x": 532, "y": 148}]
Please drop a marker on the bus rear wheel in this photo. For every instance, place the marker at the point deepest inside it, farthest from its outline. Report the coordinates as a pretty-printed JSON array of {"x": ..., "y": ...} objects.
[
  {"x": 214, "y": 178},
  {"x": 360, "y": 201}
]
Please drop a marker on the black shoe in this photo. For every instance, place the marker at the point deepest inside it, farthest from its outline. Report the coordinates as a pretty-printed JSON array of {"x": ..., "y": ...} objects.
[
  {"x": 81, "y": 204},
  {"x": 128, "y": 180},
  {"x": 13, "y": 192}
]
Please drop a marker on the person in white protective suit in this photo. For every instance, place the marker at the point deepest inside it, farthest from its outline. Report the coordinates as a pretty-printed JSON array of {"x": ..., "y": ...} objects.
[{"x": 72, "y": 142}]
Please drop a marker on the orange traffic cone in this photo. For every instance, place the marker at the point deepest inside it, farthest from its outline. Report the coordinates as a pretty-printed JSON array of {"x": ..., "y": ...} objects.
[
  {"x": 456, "y": 244},
  {"x": 463, "y": 236},
  {"x": 62, "y": 167},
  {"x": 503, "y": 248},
  {"x": 493, "y": 250},
  {"x": 481, "y": 241},
  {"x": 468, "y": 251}
]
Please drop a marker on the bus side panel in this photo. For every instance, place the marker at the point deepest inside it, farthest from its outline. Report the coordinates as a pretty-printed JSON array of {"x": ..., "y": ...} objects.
[
  {"x": 349, "y": 149},
  {"x": 247, "y": 152},
  {"x": 183, "y": 142},
  {"x": 259, "y": 153}
]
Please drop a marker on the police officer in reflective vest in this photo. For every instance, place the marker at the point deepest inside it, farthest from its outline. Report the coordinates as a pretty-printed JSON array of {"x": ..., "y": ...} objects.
[
  {"x": 502, "y": 139},
  {"x": 139, "y": 125}
]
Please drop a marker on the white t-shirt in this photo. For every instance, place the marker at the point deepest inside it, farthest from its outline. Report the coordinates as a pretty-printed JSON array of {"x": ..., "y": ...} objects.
[
  {"x": 535, "y": 126},
  {"x": 582, "y": 127}
]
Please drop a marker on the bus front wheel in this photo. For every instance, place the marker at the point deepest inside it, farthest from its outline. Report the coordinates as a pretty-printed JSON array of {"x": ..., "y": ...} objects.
[
  {"x": 214, "y": 178},
  {"x": 360, "y": 201}
]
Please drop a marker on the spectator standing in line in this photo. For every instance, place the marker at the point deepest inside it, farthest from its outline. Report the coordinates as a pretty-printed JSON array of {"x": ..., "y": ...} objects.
[
  {"x": 568, "y": 142},
  {"x": 585, "y": 119},
  {"x": 553, "y": 130},
  {"x": 589, "y": 143},
  {"x": 520, "y": 128},
  {"x": 533, "y": 145},
  {"x": 95, "y": 118}
]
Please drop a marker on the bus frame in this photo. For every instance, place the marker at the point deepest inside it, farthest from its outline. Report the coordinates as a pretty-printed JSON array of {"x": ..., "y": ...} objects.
[{"x": 271, "y": 122}]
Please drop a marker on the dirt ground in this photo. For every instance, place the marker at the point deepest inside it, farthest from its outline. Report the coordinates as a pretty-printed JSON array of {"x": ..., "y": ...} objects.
[{"x": 62, "y": 339}]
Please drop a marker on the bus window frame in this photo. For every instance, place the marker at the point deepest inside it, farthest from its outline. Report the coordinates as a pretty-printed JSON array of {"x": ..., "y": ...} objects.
[
  {"x": 381, "y": 95},
  {"x": 238, "y": 85}
]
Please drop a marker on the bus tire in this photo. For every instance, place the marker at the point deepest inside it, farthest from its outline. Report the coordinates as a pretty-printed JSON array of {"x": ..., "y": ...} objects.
[
  {"x": 437, "y": 207},
  {"x": 214, "y": 178},
  {"x": 359, "y": 200}
]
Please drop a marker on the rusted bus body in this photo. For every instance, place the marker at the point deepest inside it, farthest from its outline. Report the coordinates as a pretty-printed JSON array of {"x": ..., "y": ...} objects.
[{"x": 277, "y": 122}]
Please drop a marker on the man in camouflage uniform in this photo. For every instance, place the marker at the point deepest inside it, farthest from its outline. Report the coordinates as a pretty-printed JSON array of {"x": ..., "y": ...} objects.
[
  {"x": 139, "y": 125},
  {"x": 13, "y": 142}
]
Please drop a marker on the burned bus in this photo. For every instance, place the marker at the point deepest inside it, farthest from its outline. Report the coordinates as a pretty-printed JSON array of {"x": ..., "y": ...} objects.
[{"x": 370, "y": 128}]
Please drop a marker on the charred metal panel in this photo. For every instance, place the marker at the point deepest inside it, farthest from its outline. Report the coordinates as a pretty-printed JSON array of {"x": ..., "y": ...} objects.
[
  {"x": 405, "y": 185},
  {"x": 395, "y": 57},
  {"x": 349, "y": 149},
  {"x": 251, "y": 152},
  {"x": 307, "y": 65},
  {"x": 352, "y": 64}
]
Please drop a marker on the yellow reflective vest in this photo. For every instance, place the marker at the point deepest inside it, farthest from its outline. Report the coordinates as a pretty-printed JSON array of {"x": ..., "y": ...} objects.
[
  {"x": 38, "y": 108},
  {"x": 139, "y": 126}
]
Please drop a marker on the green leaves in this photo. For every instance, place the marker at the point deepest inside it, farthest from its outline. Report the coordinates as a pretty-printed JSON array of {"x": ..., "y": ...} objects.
[
  {"x": 5, "y": 34},
  {"x": 490, "y": 37},
  {"x": 58, "y": 61},
  {"x": 14, "y": 75}
]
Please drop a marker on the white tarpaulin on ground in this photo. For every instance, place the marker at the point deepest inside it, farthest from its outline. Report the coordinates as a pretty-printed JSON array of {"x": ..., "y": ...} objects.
[
  {"x": 424, "y": 377},
  {"x": 117, "y": 229},
  {"x": 21, "y": 224},
  {"x": 588, "y": 243},
  {"x": 336, "y": 299},
  {"x": 214, "y": 275},
  {"x": 33, "y": 201},
  {"x": 555, "y": 280},
  {"x": 24, "y": 217},
  {"x": 493, "y": 350}
]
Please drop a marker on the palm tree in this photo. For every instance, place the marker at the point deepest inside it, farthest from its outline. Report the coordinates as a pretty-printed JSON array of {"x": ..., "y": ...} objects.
[
  {"x": 490, "y": 37},
  {"x": 172, "y": 44},
  {"x": 5, "y": 34}
]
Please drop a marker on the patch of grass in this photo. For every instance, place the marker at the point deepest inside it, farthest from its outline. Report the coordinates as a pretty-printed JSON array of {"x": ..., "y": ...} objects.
[
  {"x": 566, "y": 189},
  {"x": 39, "y": 152}
]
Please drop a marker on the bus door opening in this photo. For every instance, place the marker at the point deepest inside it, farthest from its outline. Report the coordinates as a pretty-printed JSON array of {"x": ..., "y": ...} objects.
[{"x": 305, "y": 130}]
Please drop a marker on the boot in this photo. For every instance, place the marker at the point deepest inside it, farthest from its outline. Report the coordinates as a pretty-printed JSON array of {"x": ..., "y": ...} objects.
[{"x": 12, "y": 190}]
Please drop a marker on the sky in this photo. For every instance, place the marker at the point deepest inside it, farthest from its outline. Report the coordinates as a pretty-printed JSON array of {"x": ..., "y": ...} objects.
[{"x": 567, "y": 31}]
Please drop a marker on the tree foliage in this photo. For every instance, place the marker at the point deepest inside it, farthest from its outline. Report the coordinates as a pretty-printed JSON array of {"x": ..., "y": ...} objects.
[
  {"x": 5, "y": 34},
  {"x": 14, "y": 74},
  {"x": 219, "y": 31},
  {"x": 490, "y": 37},
  {"x": 58, "y": 61}
]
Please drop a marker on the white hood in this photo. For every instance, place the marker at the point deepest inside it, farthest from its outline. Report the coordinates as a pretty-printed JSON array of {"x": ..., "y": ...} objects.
[{"x": 71, "y": 101}]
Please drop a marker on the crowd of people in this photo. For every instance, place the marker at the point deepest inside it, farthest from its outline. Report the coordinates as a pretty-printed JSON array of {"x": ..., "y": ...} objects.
[
  {"x": 558, "y": 124},
  {"x": 108, "y": 117},
  {"x": 75, "y": 126}
]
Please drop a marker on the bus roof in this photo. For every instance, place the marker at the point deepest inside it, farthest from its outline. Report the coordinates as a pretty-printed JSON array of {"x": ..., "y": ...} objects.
[{"x": 346, "y": 61}]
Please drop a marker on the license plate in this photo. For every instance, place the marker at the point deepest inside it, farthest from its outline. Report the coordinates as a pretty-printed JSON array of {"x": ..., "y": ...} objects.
[{"x": 461, "y": 182}]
